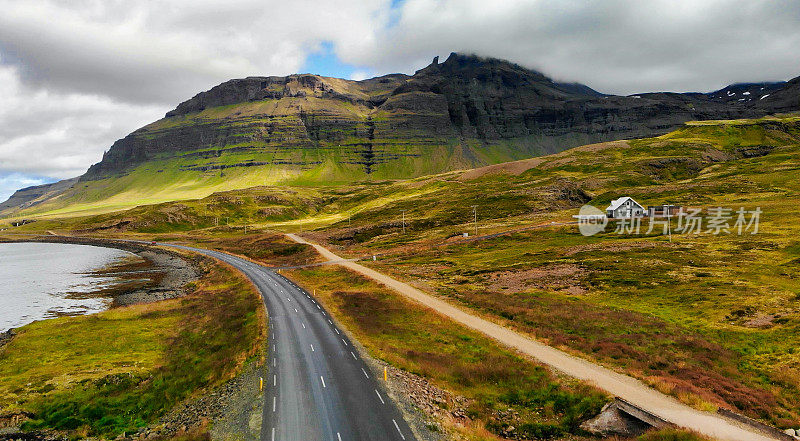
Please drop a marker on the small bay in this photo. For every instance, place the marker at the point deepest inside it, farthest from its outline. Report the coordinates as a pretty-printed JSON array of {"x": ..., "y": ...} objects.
[{"x": 44, "y": 280}]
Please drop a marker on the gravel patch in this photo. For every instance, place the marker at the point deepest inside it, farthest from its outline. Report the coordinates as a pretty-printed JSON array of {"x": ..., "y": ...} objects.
[
  {"x": 177, "y": 273},
  {"x": 232, "y": 411}
]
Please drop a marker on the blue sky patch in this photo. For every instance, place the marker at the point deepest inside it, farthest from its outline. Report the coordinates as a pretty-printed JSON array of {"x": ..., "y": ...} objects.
[{"x": 325, "y": 62}]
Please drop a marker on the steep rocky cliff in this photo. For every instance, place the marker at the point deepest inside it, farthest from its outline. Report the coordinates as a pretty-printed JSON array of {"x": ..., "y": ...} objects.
[
  {"x": 476, "y": 105},
  {"x": 462, "y": 113}
]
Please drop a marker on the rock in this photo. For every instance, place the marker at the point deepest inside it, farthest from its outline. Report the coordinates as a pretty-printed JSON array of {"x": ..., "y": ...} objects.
[
  {"x": 790, "y": 432},
  {"x": 621, "y": 418},
  {"x": 6, "y": 336},
  {"x": 465, "y": 97}
]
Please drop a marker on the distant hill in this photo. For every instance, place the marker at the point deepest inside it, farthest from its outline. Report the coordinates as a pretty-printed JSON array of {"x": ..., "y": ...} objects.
[
  {"x": 746, "y": 92},
  {"x": 310, "y": 130}
]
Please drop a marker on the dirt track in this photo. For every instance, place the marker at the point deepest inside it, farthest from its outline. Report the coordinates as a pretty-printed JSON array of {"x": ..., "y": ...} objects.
[{"x": 623, "y": 386}]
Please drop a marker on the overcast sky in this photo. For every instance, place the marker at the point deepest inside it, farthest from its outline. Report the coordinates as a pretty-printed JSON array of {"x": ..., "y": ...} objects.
[{"x": 75, "y": 75}]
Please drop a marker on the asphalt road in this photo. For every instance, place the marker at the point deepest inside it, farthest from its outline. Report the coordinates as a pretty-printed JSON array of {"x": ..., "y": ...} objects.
[{"x": 316, "y": 386}]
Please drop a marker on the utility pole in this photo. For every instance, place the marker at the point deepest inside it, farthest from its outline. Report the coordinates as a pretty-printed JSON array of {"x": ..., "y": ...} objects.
[
  {"x": 404, "y": 222},
  {"x": 669, "y": 222},
  {"x": 475, "y": 214}
]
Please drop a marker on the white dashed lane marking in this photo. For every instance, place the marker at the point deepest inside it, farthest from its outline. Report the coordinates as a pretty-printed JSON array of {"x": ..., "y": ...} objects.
[
  {"x": 379, "y": 396},
  {"x": 398, "y": 429}
]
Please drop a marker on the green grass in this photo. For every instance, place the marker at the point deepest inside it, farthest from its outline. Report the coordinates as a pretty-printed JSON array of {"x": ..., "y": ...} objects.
[
  {"x": 119, "y": 370},
  {"x": 709, "y": 319},
  {"x": 670, "y": 435}
]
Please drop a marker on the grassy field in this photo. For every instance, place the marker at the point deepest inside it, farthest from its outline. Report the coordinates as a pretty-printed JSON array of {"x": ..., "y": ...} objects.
[
  {"x": 711, "y": 319},
  {"x": 121, "y": 369}
]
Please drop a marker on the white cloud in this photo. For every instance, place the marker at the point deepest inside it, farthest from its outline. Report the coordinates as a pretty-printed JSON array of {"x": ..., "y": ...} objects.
[
  {"x": 77, "y": 75},
  {"x": 164, "y": 51},
  {"x": 615, "y": 46},
  {"x": 60, "y": 134},
  {"x": 359, "y": 75}
]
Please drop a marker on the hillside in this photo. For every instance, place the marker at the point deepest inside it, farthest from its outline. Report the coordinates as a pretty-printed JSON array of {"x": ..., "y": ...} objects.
[
  {"x": 310, "y": 130},
  {"x": 710, "y": 319},
  {"x": 695, "y": 164}
]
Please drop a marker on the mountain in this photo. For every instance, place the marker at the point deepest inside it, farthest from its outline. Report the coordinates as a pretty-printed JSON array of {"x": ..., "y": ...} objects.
[
  {"x": 746, "y": 92},
  {"x": 306, "y": 129},
  {"x": 29, "y": 196},
  {"x": 785, "y": 99}
]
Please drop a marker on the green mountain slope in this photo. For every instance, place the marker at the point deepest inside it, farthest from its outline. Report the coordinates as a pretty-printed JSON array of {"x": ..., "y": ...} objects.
[
  {"x": 310, "y": 130},
  {"x": 697, "y": 164},
  {"x": 710, "y": 319}
]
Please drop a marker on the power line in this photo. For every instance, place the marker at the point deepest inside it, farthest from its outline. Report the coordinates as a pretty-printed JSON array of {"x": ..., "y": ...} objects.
[{"x": 475, "y": 214}]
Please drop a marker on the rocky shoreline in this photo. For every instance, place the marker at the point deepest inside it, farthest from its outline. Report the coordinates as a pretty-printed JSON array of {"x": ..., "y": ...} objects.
[
  {"x": 175, "y": 273},
  {"x": 167, "y": 272}
]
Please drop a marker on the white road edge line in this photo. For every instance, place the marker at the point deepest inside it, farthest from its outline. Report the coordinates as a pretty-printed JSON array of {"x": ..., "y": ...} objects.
[
  {"x": 345, "y": 343},
  {"x": 337, "y": 331},
  {"x": 365, "y": 372},
  {"x": 354, "y": 355},
  {"x": 398, "y": 429},
  {"x": 379, "y": 397}
]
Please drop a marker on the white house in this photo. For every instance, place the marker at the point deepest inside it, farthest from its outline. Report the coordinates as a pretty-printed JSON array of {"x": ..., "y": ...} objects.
[{"x": 624, "y": 207}]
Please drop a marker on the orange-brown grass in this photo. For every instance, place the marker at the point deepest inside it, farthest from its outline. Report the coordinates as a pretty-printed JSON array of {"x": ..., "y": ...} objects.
[
  {"x": 455, "y": 358},
  {"x": 271, "y": 249},
  {"x": 671, "y": 435},
  {"x": 648, "y": 308}
]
